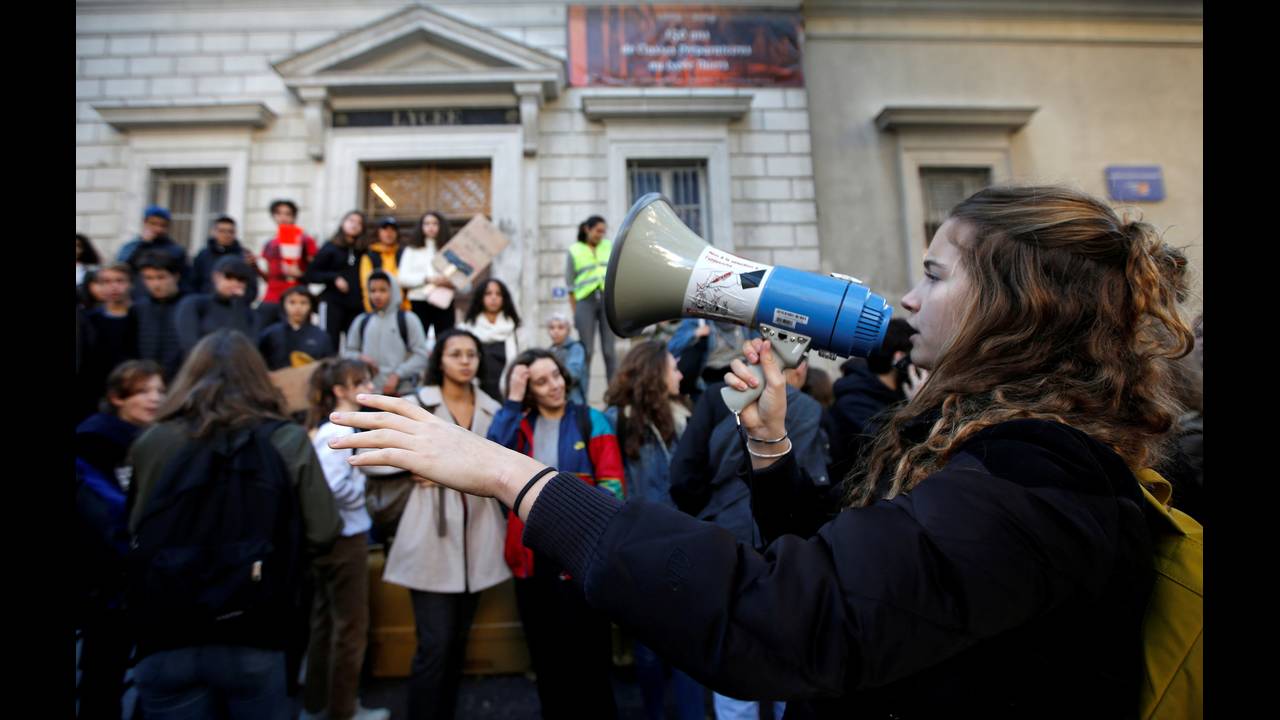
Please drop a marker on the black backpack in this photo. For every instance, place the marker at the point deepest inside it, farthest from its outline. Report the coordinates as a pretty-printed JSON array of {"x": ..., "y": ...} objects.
[{"x": 217, "y": 553}]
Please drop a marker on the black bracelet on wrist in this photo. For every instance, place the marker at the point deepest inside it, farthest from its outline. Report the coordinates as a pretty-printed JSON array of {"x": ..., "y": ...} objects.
[{"x": 529, "y": 485}]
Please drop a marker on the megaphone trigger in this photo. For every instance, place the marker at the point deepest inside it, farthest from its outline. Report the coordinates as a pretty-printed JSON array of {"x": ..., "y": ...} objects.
[{"x": 788, "y": 347}]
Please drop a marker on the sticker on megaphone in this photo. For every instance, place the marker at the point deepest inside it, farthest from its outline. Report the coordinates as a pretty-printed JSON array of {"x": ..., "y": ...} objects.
[{"x": 725, "y": 287}]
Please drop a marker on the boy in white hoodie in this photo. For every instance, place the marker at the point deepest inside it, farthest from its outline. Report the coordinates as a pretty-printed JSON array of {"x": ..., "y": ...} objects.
[{"x": 390, "y": 339}]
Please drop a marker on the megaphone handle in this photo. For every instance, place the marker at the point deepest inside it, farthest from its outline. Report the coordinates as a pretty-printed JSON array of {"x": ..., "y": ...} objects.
[
  {"x": 739, "y": 399},
  {"x": 787, "y": 346}
]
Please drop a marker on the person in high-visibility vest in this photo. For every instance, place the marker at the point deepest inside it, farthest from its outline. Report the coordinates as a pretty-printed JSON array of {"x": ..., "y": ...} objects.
[{"x": 584, "y": 274}]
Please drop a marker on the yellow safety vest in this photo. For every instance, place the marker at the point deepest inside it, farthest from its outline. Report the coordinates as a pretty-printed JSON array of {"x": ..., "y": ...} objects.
[{"x": 589, "y": 267}]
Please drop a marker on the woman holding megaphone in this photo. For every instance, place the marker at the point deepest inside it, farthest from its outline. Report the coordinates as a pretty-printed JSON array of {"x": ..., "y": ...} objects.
[{"x": 994, "y": 560}]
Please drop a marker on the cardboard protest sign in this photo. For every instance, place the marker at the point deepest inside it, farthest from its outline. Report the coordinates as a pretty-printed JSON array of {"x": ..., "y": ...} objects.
[
  {"x": 470, "y": 251},
  {"x": 294, "y": 382}
]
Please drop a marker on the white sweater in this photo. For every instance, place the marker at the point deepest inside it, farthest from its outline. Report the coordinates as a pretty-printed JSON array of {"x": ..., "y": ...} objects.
[
  {"x": 345, "y": 480},
  {"x": 416, "y": 271}
]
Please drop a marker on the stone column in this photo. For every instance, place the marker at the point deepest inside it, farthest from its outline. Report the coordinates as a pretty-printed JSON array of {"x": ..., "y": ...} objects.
[
  {"x": 530, "y": 95},
  {"x": 315, "y": 112}
]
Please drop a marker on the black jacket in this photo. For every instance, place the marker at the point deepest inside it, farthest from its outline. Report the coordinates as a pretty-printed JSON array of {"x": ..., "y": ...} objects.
[
  {"x": 199, "y": 315},
  {"x": 158, "y": 332},
  {"x": 112, "y": 340},
  {"x": 133, "y": 251},
  {"x": 202, "y": 267},
  {"x": 851, "y": 422},
  {"x": 332, "y": 262},
  {"x": 1011, "y": 583},
  {"x": 691, "y": 468},
  {"x": 279, "y": 340},
  {"x": 102, "y": 441}
]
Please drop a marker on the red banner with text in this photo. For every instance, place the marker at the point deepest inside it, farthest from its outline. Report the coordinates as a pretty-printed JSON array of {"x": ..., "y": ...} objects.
[{"x": 684, "y": 46}]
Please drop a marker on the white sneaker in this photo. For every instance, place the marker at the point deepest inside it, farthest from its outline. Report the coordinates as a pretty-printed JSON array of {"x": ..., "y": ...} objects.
[{"x": 364, "y": 713}]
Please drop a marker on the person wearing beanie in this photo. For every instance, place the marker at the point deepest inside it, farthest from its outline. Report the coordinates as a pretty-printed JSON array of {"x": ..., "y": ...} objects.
[
  {"x": 226, "y": 307},
  {"x": 155, "y": 236},
  {"x": 572, "y": 353}
]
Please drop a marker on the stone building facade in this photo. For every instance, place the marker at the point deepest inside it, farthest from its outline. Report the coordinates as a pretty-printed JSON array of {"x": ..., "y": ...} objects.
[{"x": 230, "y": 104}]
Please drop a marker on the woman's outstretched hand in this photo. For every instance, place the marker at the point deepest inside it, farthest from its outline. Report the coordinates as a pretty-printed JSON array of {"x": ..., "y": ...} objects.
[{"x": 406, "y": 436}]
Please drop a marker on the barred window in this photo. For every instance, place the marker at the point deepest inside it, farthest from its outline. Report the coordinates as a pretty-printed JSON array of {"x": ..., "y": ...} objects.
[
  {"x": 194, "y": 197},
  {"x": 944, "y": 188},
  {"x": 683, "y": 182}
]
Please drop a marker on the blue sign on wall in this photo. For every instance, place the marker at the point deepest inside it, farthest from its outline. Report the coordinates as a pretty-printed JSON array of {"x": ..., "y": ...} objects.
[
  {"x": 559, "y": 292},
  {"x": 1140, "y": 183}
]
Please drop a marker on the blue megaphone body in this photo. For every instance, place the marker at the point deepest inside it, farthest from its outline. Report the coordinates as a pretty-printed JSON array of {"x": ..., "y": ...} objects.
[{"x": 661, "y": 270}]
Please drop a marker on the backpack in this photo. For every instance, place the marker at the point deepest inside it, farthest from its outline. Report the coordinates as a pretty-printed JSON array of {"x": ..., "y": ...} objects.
[
  {"x": 1173, "y": 626},
  {"x": 217, "y": 551},
  {"x": 402, "y": 324}
]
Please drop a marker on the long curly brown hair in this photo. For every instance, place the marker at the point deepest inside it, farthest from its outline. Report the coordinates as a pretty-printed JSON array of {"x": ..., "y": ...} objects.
[
  {"x": 639, "y": 389},
  {"x": 1073, "y": 317}
]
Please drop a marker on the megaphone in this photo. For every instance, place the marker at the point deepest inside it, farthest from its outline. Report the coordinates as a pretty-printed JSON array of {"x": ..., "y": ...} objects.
[{"x": 661, "y": 270}]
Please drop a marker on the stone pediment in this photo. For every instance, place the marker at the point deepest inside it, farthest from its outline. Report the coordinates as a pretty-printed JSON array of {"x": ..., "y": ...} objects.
[{"x": 419, "y": 50}]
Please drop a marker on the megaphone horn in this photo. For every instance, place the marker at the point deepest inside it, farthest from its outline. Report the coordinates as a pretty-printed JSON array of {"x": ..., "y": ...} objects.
[{"x": 661, "y": 270}]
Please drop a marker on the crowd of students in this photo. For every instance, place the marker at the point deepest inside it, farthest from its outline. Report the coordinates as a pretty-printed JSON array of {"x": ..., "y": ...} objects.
[
  {"x": 382, "y": 322},
  {"x": 385, "y": 323}
]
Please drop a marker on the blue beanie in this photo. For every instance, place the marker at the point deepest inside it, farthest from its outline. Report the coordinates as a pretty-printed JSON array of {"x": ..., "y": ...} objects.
[{"x": 157, "y": 211}]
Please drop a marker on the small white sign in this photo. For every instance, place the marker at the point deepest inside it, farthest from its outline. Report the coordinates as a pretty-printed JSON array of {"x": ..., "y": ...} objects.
[
  {"x": 788, "y": 319},
  {"x": 725, "y": 287}
]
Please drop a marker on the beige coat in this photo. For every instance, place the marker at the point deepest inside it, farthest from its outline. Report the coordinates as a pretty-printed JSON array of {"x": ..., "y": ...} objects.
[{"x": 428, "y": 554}]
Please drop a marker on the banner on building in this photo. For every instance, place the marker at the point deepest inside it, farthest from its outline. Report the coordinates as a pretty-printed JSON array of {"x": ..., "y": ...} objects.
[{"x": 684, "y": 46}]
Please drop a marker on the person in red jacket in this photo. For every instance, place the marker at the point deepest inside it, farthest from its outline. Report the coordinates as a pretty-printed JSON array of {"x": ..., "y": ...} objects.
[
  {"x": 570, "y": 644},
  {"x": 287, "y": 254}
]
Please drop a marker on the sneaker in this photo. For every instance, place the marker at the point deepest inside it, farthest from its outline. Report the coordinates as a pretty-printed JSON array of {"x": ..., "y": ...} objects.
[{"x": 364, "y": 713}]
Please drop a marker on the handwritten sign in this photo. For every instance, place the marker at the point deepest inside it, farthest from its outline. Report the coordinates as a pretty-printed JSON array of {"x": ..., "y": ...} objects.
[{"x": 470, "y": 251}]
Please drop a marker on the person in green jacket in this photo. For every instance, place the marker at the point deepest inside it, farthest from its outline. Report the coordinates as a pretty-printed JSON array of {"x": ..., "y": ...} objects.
[{"x": 223, "y": 387}]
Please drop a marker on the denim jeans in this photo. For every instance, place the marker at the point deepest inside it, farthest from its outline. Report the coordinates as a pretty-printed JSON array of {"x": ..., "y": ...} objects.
[
  {"x": 654, "y": 675},
  {"x": 728, "y": 708},
  {"x": 209, "y": 681}
]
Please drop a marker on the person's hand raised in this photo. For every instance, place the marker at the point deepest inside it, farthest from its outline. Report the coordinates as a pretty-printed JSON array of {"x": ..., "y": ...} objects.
[{"x": 519, "y": 381}]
